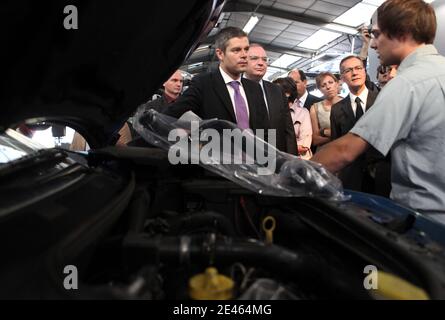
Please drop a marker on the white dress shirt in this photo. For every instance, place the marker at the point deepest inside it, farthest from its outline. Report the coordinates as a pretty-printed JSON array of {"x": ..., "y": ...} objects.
[
  {"x": 227, "y": 80},
  {"x": 363, "y": 97},
  {"x": 264, "y": 94},
  {"x": 303, "y": 98}
]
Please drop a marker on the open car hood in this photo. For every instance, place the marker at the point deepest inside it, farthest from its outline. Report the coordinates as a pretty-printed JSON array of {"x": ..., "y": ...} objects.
[{"x": 93, "y": 78}]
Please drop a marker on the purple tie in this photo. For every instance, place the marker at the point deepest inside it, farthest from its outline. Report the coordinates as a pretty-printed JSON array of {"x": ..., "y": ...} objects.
[{"x": 242, "y": 118}]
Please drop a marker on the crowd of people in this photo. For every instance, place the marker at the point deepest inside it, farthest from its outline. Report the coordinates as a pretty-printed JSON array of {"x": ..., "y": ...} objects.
[{"x": 385, "y": 139}]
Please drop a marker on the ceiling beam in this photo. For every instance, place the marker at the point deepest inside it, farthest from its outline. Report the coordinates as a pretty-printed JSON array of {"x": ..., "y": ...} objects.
[
  {"x": 305, "y": 53},
  {"x": 211, "y": 55},
  {"x": 241, "y": 6}
]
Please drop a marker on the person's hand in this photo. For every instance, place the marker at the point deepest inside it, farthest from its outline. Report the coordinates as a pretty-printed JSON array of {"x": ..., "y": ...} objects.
[
  {"x": 310, "y": 179},
  {"x": 302, "y": 150},
  {"x": 366, "y": 37},
  {"x": 327, "y": 132}
]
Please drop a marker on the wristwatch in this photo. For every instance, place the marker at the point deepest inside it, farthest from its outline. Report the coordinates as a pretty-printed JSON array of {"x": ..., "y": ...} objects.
[{"x": 322, "y": 133}]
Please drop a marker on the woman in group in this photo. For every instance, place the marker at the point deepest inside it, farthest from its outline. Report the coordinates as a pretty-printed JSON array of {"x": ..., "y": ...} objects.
[
  {"x": 300, "y": 117},
  {"x": 320, "y": 112}
]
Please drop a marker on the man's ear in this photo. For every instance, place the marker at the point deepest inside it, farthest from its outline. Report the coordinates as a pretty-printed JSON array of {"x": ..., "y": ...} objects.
[
  {"x": 219, "y": 54},
  {"x": 404, "y": 37}
]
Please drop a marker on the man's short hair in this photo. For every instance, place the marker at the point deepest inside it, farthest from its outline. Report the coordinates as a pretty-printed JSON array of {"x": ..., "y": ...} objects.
[
  {"x": 225, "y": 35},
  {"x": 352, "y": 56},
  {"x": 397, "y": 18},
  {"x": 301, "y": 72}
]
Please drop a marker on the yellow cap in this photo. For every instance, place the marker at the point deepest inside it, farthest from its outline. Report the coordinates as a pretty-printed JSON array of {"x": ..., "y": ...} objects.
[
  {"x": 393, "y": 287},
  {"x": 210, "y": 286},
  {"x": 269, "y": 224}
]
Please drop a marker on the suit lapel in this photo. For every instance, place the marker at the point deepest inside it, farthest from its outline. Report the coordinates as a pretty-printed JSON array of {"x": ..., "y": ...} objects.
[
  {"x": 221, "y": 91},
  {"x": 267, "y": 93},
  {"x": 347, "y": 109},
  {"x": 250, "y": 101},
  {"x": 308, "y": 103}
]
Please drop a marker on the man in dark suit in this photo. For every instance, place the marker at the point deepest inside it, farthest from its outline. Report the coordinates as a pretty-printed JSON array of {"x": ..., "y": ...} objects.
[
  {"x": 344, "y": 115},
  {"x": 276, "y": 102},
  {"x": 222, "y": 93},
  {"x": 172, "y": 90},
  {"x": 304, "y": 98}
]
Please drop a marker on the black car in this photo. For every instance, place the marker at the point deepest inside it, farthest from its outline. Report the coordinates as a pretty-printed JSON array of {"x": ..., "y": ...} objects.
[{"x": 124, "y": 223}]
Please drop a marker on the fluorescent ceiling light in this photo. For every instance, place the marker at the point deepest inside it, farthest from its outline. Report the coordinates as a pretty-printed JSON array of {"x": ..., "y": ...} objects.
[
  {"x": 285, "y": 60},
  {"x": 429, "y": 1},
  {"x": 251, "y": 24},
  {"x": 274, "y": 73},
  {"x": 340, "y": 28},
  {"x": 359, "y": 14},
  {"x": 319, "y": 39},
  {"x": 331, "y": 66},
  {"x": 272, "y": 70}
]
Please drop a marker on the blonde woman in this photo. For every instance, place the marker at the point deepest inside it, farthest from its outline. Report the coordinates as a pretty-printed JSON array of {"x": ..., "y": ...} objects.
[{"x": 320, "y": 112}]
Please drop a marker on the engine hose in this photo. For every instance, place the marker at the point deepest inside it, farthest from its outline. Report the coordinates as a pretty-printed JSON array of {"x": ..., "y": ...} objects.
[
  {"x": 191, "y": 222},
  {"x": 198, "y": 249},
  {"x": 139, "y": 210}
]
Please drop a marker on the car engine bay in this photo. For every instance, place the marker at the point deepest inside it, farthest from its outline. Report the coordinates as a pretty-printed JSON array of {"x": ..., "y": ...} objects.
[{"x": 137, "y": 227}]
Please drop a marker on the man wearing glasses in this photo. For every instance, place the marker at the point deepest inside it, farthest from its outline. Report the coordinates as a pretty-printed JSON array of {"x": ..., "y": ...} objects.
[
  {"x": 408, "y": 117},
  {"x": 223, "y": 93},
  {"x": 276, "y": 102},
  {"x": 346, "y": 112}
]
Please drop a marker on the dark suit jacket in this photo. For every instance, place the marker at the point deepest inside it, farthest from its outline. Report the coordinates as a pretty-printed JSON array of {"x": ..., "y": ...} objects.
[
  {"x": 280, "y": 118},
  {"x": 156, "y": 104},
  {"x": 342, "y": 120},
  {"x": 310, "y": 100},
  {"x": 208, "y": 97}
]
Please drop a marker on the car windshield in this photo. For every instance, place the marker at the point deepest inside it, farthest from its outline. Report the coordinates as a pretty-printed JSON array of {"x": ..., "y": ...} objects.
[
  {"x": 26, "y": 140},
  {"x": 14, "y": 145}
]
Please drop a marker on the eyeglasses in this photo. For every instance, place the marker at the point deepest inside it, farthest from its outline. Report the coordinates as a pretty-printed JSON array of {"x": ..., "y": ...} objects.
[
  {"x": 386, "y": 69},
  {"x": 255, "y": 58},
  {"x": 349, "y": 70}
]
